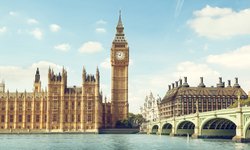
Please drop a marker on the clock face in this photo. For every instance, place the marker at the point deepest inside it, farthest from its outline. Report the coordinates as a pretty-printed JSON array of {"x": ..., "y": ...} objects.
[{"x": 120, "y": 55}]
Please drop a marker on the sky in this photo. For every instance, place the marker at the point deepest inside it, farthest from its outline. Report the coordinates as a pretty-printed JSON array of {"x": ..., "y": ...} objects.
[{"x": 168, "y": 40}]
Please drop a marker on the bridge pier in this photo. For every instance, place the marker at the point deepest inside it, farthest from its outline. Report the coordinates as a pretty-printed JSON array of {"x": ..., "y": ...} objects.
[
  {"x": 174, "y": 128},
  {"x": 240, "y": 136},
  {"x": 196, "y": 133},
  {"x": 239, "y": 139}
]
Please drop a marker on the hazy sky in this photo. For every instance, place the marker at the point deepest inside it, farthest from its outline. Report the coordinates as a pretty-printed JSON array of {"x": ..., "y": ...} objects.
[{"x": 168, "y": 39}]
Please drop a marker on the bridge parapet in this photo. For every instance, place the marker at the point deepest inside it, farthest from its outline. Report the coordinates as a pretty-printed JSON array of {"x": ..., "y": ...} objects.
[{"x": 238, "y": 116}]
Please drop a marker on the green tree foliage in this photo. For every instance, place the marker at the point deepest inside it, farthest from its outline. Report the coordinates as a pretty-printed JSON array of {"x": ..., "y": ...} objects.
[
  {"x": 243, "y": 102},
  {"x": 123, "y": 124},
  {"x": 133, "y": 121}
]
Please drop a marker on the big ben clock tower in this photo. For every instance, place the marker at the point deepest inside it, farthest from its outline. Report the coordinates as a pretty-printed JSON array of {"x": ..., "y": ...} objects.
[{"x": 119, "y": 75}]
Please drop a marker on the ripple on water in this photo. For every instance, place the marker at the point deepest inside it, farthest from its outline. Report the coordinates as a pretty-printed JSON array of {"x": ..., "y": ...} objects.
[{"x": 112, "y": 141}]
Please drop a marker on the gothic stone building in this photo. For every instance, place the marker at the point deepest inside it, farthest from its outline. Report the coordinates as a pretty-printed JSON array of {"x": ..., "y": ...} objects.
[
  {"x": 70, "y": 109},
  {"x": 150, "y": 110},
  {"x": 181, "y": 99}
]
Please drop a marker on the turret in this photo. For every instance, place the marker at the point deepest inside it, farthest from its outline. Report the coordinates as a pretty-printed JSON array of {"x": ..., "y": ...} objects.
[
  {"x": 37, "y": 82},
  {"x": 97, "y": 75},
  {"x": 63, "y": 81},
  {"x": 97, "y": 83},
  {"x": 2, "y": 87},
  {"x": 37, "y": 76},
  {"x": 83, "y": 74},
  {"x": 57, "y": 81}
]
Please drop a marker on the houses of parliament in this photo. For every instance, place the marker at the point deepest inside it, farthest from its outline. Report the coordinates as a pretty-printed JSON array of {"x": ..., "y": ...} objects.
[{"x": 60, "y": 108}]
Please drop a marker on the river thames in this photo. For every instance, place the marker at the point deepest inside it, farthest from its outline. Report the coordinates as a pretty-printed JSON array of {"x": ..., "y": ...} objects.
[{"x": 112, "y": 142}]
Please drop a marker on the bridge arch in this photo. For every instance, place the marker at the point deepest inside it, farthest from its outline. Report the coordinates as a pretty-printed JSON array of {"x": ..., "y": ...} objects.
[
  {"x": 214, "y": 117},
  {"x": 246, "y": 130},
  {"x": 166, "y": 129},
  {"x": 218, "y": 128},
  {"x": 154, "y": 129},
  {"x": 185, "y": 127}
]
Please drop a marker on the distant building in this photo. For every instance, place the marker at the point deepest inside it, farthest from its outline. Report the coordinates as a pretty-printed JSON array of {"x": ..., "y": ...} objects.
[
  {"x": 150, "y": 110},
  {"x": 181, "y": 99}
]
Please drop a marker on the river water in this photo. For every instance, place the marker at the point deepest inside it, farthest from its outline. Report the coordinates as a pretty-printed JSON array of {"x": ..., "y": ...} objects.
[{"x": 112, "y": 142}]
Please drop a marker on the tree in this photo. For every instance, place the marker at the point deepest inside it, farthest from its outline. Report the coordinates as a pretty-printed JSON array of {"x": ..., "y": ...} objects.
[
  {"x": 243, "y": 102},
  {"x": 123, "y": 124},
  {"x": 133, "y": 121}
]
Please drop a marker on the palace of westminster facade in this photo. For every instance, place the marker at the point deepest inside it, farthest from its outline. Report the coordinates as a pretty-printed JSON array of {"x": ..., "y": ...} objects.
[{"x": 64, "y": 109}]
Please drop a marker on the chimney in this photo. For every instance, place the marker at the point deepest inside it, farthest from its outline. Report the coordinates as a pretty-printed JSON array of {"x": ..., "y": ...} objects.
[
  {"x": 202, "y": 85},
  {"x": 180, "y": 82},
  {"x": 185, "y": 84},
  {"x": 220, "y": 84},
  {"x": 229, "y": 83},
  {"x": 176, "y": 84},
  {"x": 172, "y": 85},
  {"x": 236, "y": 85},
  {"x": 169, "y": 87}
]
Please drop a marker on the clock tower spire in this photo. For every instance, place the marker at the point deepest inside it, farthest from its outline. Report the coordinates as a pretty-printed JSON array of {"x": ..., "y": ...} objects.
[{"x": 119, "y": 75}]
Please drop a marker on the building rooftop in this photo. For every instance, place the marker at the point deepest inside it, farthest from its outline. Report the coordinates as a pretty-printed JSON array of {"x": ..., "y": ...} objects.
[{"x": 202, "y": 90}]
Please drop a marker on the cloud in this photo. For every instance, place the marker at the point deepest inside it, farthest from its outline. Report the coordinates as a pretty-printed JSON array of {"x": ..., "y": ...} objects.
[
  {"x": 106, "y": 64},
  {"x": 209, "y": 11},
  {"x": 32, "y": 21},
  {"x": 205, "y": 47},
  {"x": 12, "y": 13},
  {"x": 100, "y": 30},
  {"x": 101, "y": 21},
  {"x": 91, "y": 47},
  {"x": 64, "y": 47},
  {"x": 21, "y": 78},
  {"x": 191, "y": 69},
  {"x": 3, "y": 29},
  {"x": 54, "y": 28},
  {"x": 45, "y": 65},
  {"x": 235, "y": 59},
  {"x": 37, "y": 33},
  {"x": 219, "y": 23}
]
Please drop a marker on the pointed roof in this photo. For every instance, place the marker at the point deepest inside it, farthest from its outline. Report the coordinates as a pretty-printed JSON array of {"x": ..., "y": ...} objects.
[
  {"x": 120, "y": 25},
  {"x": 37, "y": 76},
  {"x": 37, "y": 71},
  {"x": 120, "y": 36}
]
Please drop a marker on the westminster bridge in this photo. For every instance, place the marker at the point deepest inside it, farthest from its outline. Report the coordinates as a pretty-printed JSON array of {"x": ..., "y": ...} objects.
[{"x": 226, "y": 123}]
